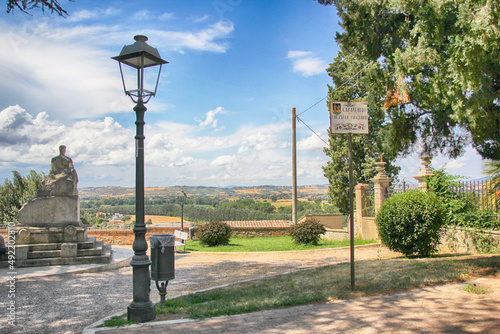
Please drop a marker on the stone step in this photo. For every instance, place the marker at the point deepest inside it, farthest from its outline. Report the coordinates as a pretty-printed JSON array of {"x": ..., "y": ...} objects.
[
  {"x": 64, "y": 261},
  {"x": 44, "y": 247},
  {"x": 90, "y": 252},
  {"x": 44, "y": 254},
  {"x": 90, "y": 243}
]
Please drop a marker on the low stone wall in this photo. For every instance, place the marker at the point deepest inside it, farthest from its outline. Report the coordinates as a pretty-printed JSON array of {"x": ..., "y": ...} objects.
[
  {"x": 332, "y": 221},
  {"x": 126, "y": 237},
  {"x": 336, "y": 234},
  {"x": 458, "y": 239}
]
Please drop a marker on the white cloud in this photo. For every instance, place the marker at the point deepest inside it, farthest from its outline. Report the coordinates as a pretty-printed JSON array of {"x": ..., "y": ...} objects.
[
  {"x": 184, "y": 161},
  {"x": 311, "y": 143},
  {"x": 70, "y": 66},
  {"x": 166, "y": 16},
  {"x": 223, "y": 160},
  {"x": 210, "y": 118},
  {"x": 86, "y": 14},
  {"x": 210, "y": 39},
  {"x": 142, "y": 15},
  {"x": 95, "y": 142},
  {"x": 305, "y": 63},
  {"x": 298, "y": 54},
  {"x": 103, "y": 151}
]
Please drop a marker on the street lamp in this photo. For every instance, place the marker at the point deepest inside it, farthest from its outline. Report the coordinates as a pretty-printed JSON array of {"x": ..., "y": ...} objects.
[{"x": 140, "y": 56}]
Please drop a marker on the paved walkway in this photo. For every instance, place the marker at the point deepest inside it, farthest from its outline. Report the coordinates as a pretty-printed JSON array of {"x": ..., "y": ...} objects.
[
  {"x": 440, "y": 309},
  {"x": 69, "y": 302}
]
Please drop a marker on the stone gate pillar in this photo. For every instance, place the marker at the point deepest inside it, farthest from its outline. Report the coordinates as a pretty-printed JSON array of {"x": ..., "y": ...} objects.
[
  {"x": 380, "y": 184},
  {"x": 361, "y": 209}
]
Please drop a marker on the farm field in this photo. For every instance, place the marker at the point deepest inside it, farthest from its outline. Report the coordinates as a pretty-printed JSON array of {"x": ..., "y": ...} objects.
[
  {"x": 227, "y": 193},
  {"x": 161, "y": 219}
]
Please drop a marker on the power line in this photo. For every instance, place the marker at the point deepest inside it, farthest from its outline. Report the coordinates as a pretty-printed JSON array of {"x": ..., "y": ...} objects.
[
  {"x": 345, "y": 83},
  {"x": 311, "y": 130}
]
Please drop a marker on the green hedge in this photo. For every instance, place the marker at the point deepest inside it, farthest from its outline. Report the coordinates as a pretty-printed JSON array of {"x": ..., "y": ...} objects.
[{"x": 410, "y": 223}]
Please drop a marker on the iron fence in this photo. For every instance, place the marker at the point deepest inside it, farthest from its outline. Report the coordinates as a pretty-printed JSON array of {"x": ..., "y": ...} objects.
[
  {"x": 484, "y": 194},
  {"x": 481, "y": 193},
  {"x": 400, "y": 187}
]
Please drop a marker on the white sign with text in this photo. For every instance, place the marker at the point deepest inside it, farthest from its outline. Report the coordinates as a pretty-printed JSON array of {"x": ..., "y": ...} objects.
[{"x": 349, "y": 117}]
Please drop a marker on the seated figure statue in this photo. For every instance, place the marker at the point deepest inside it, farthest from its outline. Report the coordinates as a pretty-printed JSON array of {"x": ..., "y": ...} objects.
[{"x": 62, "y": 179}]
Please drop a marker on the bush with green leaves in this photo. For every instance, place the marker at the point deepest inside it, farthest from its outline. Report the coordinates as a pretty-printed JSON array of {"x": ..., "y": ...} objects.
[
  {"x": 307, "y": 232},
  {"x": 461, "y": 209},
  {"x": 410, "y": 223},
  {"x": 214, "y": 234}
]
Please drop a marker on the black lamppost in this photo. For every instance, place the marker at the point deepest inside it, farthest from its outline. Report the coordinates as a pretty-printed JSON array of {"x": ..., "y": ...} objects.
[
  {"x": 140, "y": 56},
  {"x": 182, "y": 210}
]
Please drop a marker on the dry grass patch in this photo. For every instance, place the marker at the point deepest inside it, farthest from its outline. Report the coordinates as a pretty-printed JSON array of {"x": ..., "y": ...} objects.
[{"x": 331, "y": 283}]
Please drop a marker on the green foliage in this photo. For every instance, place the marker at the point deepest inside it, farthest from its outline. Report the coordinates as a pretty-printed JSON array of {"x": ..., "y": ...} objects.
[
  {"x": 307, "y": 232},
  {"x": 473, "y": 288},
  {"x": 116, "y": 321},
  {"x": 13, "y": 194},
  {"x": 441, "y": 184},
  {"x": 441, "y": 58},
  {"x": 352, "y": 83},
  {"x": 410, "y": 223},
  {"x": 249, "y": 204},
  {"x": 461, "y": 210},
  {"x": 270, "y": 244},
  {"x": 214, "y": 234}
]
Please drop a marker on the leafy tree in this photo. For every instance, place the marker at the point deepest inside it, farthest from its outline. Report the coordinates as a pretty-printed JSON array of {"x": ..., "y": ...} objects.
[
  {"x": 352, "y": 79},
  {"x": 438, "y": 64},
  {"x": 27, "y": 5},
  {"x": 13, "y": 194}
]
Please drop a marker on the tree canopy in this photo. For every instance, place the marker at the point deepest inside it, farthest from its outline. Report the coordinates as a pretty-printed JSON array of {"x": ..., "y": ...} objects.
[
  {"x": 352, "y": 78},
  {"x": 13, "y": 194},
  {"x": 27, "y": 5},
  {"x": 438, "y": 63}
]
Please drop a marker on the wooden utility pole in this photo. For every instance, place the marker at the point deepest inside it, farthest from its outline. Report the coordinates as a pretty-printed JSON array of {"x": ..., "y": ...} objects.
[{"x": 294, "y": 166}]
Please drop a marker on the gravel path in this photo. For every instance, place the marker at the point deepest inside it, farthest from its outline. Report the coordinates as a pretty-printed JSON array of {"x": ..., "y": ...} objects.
[{"x": 70, "y": 302}]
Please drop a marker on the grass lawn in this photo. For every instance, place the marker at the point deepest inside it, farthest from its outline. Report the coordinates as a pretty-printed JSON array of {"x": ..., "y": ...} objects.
[
  {"x": 325, "y": 284},
  {"x": 268, "y": 244}
]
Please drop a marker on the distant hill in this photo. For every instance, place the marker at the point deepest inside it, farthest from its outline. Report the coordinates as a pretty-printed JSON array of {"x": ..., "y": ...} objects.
[{"x": 265, "y": 191}]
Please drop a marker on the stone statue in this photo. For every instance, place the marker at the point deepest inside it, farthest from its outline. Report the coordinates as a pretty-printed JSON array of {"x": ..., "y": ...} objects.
[
  {"x": 62, "y": 179},
  {"x": 51, "y": 221},
  {"x": 57, "y": 203}
]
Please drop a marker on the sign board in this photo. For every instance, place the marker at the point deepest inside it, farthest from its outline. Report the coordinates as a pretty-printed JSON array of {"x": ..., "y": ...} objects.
[{"x": 349, "y": 117}]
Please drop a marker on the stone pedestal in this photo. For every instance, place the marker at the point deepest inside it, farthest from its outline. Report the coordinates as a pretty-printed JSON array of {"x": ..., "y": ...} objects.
[
  {"x": 51, "y": 212},
  {"x": 421, "y": 177},
  {"x": 44, "y": 235}
]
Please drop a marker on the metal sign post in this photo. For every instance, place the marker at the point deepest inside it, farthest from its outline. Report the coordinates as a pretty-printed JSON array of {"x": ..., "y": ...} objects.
[{"x": 350, "y": 117}]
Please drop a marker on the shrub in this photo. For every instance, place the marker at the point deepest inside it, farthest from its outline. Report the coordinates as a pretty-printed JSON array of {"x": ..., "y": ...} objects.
[
  {"x": 307, "y": 232},
  {"x": 215, "y": 233},
  {"x": 410, "y": 223}
]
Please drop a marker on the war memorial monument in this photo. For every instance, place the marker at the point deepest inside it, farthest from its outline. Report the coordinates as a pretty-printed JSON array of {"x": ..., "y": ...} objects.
[{"x": 49, "y": 231}]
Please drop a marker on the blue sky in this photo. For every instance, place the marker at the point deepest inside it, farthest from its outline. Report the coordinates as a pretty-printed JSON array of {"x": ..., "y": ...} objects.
[{"x": 222, "y": 115}]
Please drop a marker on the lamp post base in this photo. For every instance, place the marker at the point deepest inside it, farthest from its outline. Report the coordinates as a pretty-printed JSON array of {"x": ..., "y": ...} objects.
[{"x": 141, "y": 312}]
